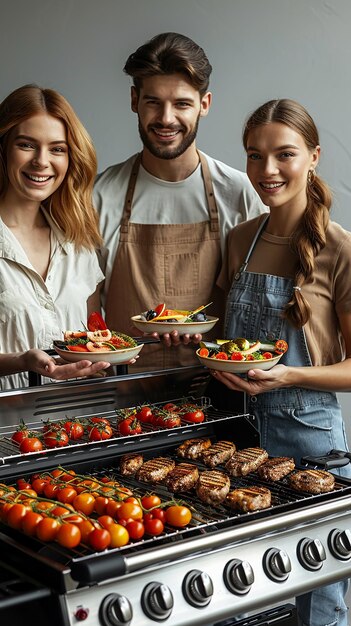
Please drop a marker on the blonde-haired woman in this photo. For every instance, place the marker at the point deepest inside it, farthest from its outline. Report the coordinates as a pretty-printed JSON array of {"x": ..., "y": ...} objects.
[
  {"x": 288, "y": 277},
  {"x": 49, "y": 273}
]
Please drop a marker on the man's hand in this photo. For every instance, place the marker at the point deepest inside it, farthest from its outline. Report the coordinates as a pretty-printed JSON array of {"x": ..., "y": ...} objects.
[{"x": 174, "y": 339}]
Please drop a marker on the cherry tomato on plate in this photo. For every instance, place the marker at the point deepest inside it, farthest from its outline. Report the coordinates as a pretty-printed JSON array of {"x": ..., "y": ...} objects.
[
  {"x": 267, "y": 355},
  {"x": 281, "y": 346},
  {"x": 222, "y": 356},
  {"x": 77, "y": 348}
]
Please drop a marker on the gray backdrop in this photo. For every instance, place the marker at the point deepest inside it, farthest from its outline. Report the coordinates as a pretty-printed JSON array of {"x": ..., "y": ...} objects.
[{"x": 259, "y": 49}]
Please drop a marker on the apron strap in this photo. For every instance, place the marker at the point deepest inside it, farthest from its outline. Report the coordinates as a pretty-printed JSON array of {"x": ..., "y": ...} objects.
[
  {"x": 210, "y": 197},
  {"x": 211, "y": 200},
  {"x": 127, "y": 208},
  {"x": 252, "y": 246}
]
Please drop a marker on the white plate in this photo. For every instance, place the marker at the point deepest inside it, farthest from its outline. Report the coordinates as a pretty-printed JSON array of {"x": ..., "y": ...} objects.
[
  {"x": 192, "y": 328},
  {"x": 237, "y": 367},
  {"x": 116, "y": 357}
]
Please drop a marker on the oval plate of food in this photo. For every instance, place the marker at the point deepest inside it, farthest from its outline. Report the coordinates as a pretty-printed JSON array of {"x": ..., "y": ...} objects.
[
  {"x": 162, "y": 320},
  {"x": 99, "y": 345},
  {"x": 164, "y": 326},
  {"x": 240, "y": 355}
]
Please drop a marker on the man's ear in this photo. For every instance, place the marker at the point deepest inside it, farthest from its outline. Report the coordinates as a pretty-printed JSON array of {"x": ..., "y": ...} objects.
[
  {"x": 134, "y": 99},
  {"x": 205, "y": 104}
]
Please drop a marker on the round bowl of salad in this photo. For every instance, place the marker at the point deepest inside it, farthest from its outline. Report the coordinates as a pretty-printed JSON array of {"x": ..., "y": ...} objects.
[
  {"x": 97, "y": 345},
  {"x": 240, "y": 355}
]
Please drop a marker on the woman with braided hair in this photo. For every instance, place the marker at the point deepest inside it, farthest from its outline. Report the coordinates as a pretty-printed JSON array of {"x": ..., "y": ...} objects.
[{"x": 287, "y": 275}]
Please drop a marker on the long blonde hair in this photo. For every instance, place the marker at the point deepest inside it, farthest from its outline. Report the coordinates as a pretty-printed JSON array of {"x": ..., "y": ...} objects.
[
  {"x": 71, "y": 204},
  {"x": 310, "y": 235}
]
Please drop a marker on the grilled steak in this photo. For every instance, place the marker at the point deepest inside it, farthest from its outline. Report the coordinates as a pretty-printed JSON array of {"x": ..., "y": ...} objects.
[
  {"x": 249, "y": 499},
  {"x": 193, "y": 448},
  {"x": 130, "y": 463},
  {"x": 212, "y": 487},
  {"x": 276, "y": 468},
  {"x": 245, "y": 461},
  {"x": 220, "y": 452},
  {"x": 155, "y": 470},
  {"x": 183, "y": 477},
  {"x": 312, "y": 481}
]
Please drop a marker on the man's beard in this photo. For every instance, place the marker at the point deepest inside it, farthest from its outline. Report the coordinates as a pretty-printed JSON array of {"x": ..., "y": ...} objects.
[{"x": 164, "y": 152}]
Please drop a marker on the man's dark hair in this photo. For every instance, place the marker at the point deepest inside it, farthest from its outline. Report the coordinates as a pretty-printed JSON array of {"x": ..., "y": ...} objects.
[{"x": 170, "y": 53}]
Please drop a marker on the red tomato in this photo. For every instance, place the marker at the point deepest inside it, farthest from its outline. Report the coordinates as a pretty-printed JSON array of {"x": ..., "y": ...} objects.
[
  {"x": 135, "y": 529},
  {"x": 31, "y": 444},
  {"x": 75, "y": 430},
  {"x": 237, "y": 356},
  {"x": 281, "y": 346},
  {"x": 66, "y": 494},
  {"x": 47, "y": 529},
  {"x": 167, "y": 419},
  {"x": 56, "y": 438},
  {"x": 144, "y": 414},
  {"x": 195, "y": 416},
  {"x": 99, "y": 539},
  {"x": 68, "y": 535},
  {"x": 23, "y": 484},
  {"x": 151, "y": 501},
  {"x": 170, "y": 406},
  {"x": 129, "y": 426},
  {"x": 50, "y": 490},
  {"x": 38, "y": 484},
  {"x": 221, "y": 355},
  {"x": 100, "y": 432},
  {"x": 178, "y": 516},
  {"x": 21, "y": 433},
  {"x": 267, "y": 355},
  {"x": 77, "y": 348},
  {"x": 16, "y": 515},
  {"x": 96, "y": 322},
  {"x": 30, "y": 522},
  {"x": 204, "y": 352},
  {"x": 153, "y": 526}
]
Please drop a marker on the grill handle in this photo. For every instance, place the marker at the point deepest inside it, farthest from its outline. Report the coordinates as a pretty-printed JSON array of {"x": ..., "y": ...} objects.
[
  {"x": 334, "y": 459},
  {"x": 94, "y": 569}
]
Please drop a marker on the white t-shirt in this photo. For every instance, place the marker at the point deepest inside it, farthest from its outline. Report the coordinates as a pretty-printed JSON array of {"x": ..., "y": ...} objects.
[
  {"x": 158, "y": 201},
  {"x": 34, "y": 312}
]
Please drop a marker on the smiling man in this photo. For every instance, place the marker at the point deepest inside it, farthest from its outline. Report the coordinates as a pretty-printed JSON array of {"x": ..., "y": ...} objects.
[{"x": 165, "y": 212}]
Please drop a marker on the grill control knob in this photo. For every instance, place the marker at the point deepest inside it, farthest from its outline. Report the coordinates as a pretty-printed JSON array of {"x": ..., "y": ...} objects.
[
  {"x": 115, "y": 610},
  {"x": 238, "y": 576},
  {"x": 339, "y": 542},
  {"x": 197, "y": 588},
  {"x": 157, "y": 601},
  {"x": 277, "y": 564},
  {"x": 311, "y": 553}
]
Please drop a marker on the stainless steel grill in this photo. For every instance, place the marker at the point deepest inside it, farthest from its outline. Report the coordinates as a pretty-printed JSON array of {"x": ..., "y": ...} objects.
[{"x": 225, "y": 563}]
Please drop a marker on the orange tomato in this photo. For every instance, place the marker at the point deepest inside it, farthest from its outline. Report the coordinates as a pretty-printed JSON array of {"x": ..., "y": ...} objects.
[
  {"x": 178, "y": 515},
  {"x": 30, "y": 522},
  {"x": 16, "y": 514},
  {"x": 84, "y": 502},
  {"x": 119, "y": 535},
  {"x": 69, "y": 535},
  {"x": 66, "y": 494},
  {"x": 151, "y": 501},
  {"x": 47, "y": 529},
  {"x": 130, "y": 510}
]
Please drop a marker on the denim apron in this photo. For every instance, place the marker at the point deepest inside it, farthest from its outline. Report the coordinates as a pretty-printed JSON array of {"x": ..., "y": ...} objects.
[{"x": 291, "y": 421}]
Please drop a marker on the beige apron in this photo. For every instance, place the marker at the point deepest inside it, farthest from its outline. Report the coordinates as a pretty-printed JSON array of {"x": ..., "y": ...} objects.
[{"x": 177, "y": 264}]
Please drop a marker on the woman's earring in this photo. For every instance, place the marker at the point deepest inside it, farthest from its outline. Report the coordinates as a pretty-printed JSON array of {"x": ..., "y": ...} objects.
[{"x": 311, "y": 176}]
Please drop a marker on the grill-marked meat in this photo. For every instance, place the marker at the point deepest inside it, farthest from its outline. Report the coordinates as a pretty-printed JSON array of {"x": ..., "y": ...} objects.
[
  {"x": 312, "y": 481},
  {"x": 249, "y": 499},
  {"x": 219, "y": 453},
  {"x": 155, "y": 470},
  {"x": 276, "y": 468},
  {"x": 130, "y": 463},
  {"x": 212, "y": 487},
  {"x": 245, "y": 461},
  {"x": 183, "y": 477},
  {"x": 193, "y": 448}
]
